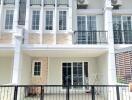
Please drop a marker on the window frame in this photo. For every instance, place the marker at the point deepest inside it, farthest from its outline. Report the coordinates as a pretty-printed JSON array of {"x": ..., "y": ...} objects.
[
  {"x": 33, "y": 65},
  {"x": 58, "y": 17},
  {"x": 31, "y": 20},
  {"x": 4, "y": 21},
  {"x": 45, "y": 13},
  {"x": 122, "y": 28},
  {"x": 83, "y": 73},
  {"x": 88, "y": 40}
]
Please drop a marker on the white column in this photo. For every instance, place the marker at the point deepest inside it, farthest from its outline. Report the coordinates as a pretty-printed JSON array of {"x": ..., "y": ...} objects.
[
  {"x": 42, "y": 21},
  {"x": 55, "y": 23},
  {"x": 27, "y": 21},
  {"x": 70, "y": 17},
  {"x": 111, "y": 54},
  {"x": 17, "y": 57},
  {"x": 16, "y": 15},
  {"x": 1, "y": 14},
  {"x": 15, "y": 19}
]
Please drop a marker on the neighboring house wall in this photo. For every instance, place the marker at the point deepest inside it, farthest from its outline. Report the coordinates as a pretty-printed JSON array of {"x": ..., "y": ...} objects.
[
  {"x": 6, "y": 64},
  {"x": 124, "y": 67}
]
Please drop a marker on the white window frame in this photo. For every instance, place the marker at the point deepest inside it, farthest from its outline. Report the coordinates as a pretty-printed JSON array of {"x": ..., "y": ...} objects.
[
  {"x": 31, "y": 17},
  {"x": 49, "y": 20},
  {"x": 67, "y": 14},
  {"x": 33, "y": 65},
  {"x": 86, "y": 25},
  {"x": 72, "y": 70},
  {"x": 122, "y": 27},
  {"x": 4, "y": 19}
]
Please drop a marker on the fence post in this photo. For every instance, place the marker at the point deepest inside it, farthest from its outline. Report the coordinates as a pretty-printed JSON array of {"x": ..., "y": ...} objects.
[
  {"x": 15, "y": 92},
  {"x": 117, "y": 93},
  {"x": 42, "y": 93},
  {"x": 93, "y": 92},
  {"x": 67, "y": 92}
]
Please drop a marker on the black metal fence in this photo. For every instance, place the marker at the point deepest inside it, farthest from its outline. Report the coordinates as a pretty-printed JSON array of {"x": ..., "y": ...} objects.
[
  {"x": 90, "y": 37},
  {"x": 59, "y": 92}
]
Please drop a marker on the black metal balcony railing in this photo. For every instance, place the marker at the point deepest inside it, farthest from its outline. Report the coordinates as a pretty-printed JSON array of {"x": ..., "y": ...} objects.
[
  {"x": 62, "y": 2},
  {"x": 90, "y": 37},
  {"x": 9, "y": 2},
  {"x": 122, "y": 36},
  {"x": 35, "y": 2},
  {"x": 58, "y": 92},
  {"x": 49, "y": 2}
]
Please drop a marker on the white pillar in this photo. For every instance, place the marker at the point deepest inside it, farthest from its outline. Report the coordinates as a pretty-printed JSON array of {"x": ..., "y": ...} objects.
[
  {"x": 55, "y": 23},
  {"x": 111, "y": 54},
  {"x": 16, "y": 15},
  {"x": 17, "y": 57},
  {"x": 42, "y": 21},
  {"x": 1, "y": 14},
  {"x": 27, "y": 21},
  {"x": 70, "y": 17},
  {"x": 15, "y": 19}
]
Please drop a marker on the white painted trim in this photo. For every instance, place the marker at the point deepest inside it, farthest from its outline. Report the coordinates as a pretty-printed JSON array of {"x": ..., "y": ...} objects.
[{"x": 90, "y": 12}]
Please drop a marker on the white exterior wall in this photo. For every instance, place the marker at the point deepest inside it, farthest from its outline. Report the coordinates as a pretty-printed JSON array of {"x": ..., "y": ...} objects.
[
  {"x": 102, "y": 62},
  {"x": 26, "y": 70},
  {"x": 126, "y": 4},
  {"x": 6, "y": 64},
  {"x": 99, "y": 4},
  {"x": 55, "y": 69}
]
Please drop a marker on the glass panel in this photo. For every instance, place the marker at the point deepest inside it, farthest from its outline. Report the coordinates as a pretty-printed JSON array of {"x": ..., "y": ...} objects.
[
  {"x": 127, "y": 29},
  {"x": 77, "y": 73},
  {"x": 9, "y": 19},
  {"x": 62, "y": 20},
  {"x": 91, "y": 26},
  {"x": 66, "y": 74},
  {"x": 117, "y": 30},
  {"x": 37, "y": 68},
  {"x": 35, "y": 20},
  {"x": 81, "y": 24},
  {"x": 49, "y": 20}
]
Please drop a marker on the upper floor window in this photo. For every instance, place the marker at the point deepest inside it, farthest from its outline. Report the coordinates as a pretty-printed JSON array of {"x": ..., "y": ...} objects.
[
  {"x": 62, "y": 20},
  {"x": 35, "y": 20},
  {"x": 86, "y": 23},
  {"x": 37, "y": 68},
  {"x": 122, "y": 26},
  {"x": 86, "y": 26},
  {"x": 49, "y": 20},
  {"x": 9, "y": 19}
]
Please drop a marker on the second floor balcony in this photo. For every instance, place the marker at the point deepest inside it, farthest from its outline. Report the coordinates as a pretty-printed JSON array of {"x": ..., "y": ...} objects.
[
  {"x": 122, "y": 36},
  {"x": 90, "y": 37},
  {"x": 9, "y": 2},
  {"x": 49, "y": 2}
]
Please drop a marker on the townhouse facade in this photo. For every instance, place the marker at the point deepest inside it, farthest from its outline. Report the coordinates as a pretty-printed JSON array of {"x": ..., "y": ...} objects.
[{"x": 60, "y": 42}]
